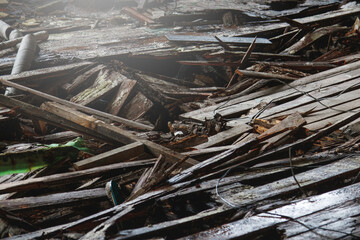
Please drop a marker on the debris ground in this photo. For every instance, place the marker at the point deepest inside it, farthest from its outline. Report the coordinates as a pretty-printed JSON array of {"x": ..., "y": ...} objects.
[{"x": 161, "y": 119}]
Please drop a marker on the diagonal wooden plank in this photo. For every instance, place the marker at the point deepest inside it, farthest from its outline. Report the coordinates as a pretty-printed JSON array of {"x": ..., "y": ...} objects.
[
  {"x": 116, "y": 155},
  {"x": 224, "y": 136}
]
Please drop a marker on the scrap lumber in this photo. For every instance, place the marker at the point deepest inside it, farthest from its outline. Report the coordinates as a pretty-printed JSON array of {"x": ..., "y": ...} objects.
[
  {"x": 120, "y": 154},
  {"x": 210, "y": 39},
  {"x": 309, "y": 179},
  {"x": 105, "y": 130},
  {"x": 293, "y": 214},
  {"x": 71, "y": 177},
  {"x": 121, "y": 96},
  {"x": 238, "y": 106},
  {"x": 312, "y": 37},
  {"x": 52, "y": 200},
  {"x": 106, "y": 81},
  {"x": 82, "y": 79},
  {"x": 137, "y": 107},
  {"x": 77, "y": 106},
  {"x": 224, "y": 136},
  {"x": 293, "y": 122},
  {"x": 30, "y": 78}
]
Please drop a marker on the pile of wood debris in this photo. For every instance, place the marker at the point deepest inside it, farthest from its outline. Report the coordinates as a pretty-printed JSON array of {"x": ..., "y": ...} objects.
[{"x": 183, "y": 119}]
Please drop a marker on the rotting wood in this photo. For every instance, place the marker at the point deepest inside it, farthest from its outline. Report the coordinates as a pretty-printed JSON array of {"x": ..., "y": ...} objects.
[
  {"x": 292, "y": 122},
  {"x": 312, "y": 179}
]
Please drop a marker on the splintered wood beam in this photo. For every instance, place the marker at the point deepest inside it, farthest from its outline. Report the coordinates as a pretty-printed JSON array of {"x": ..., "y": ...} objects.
[
  {"x": 137, "y": 107},
  {"x": 71, "y": 177},
  {"x": 120, "y": 154},
  {"x": 224, "y": 136},
  {"x": 53, "y": 119},
  {"x": 83, "y": 79},
  {"x": 53, "y": 200},
  {"x": 29, "y": 77},
  {"x": 85, "y": 109},
  {"x": 113, "y": 132},
  {"x": 105, "y": 82},
  {"x": 121, "y": 96},
  {"x": 106, "y": 132}
]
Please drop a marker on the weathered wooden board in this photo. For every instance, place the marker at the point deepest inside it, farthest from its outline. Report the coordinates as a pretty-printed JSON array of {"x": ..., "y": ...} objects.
[
  {"x": 30, "y": 77},
  {"x": 53, "y": 200},
  {"x": 121, "y": 154},
  {"x": 122, "y": 95},
  {"x": 137, "y": 107},
  {"x": 106, "y": 81},
  {"x": 225, "y": 137},
  {"x": 83, "y": 79},
  {"x": 71, "y": 177}
]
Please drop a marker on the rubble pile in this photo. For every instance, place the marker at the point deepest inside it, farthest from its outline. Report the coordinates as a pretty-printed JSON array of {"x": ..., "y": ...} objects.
[{"x": 157, "y": 119}]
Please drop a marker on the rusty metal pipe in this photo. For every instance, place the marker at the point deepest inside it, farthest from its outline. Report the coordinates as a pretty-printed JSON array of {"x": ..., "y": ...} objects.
[{"x": 24, "y": 58}]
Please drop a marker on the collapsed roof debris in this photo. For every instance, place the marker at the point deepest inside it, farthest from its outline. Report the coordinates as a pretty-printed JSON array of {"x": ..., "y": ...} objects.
[{"x": 183, "y": 119}]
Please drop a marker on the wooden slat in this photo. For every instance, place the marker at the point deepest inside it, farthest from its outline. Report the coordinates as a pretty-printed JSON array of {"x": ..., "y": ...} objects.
[
  {"x": 224, "y": 136},
  {"x": 117, "y": 155},
  {"x": 117, "y": 134},
  {"x": 106, "y": 81},
  {"x": 52, "y": 200},
  {"x": 77, "y": 106},
  {"x": 71, "y": 177},
  {"x": 122, "y": 95},
  {"x": 137, "y": 107}
]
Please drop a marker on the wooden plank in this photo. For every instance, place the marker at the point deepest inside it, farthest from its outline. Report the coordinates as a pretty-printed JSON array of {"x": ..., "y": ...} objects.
[
  {"x": 326, "y": 114},
  {"x": 77, "y": 106},
  {"x": 117, "y": 155},
  {"x": 53, "y": 200},
  {"x": 330, "y": 120},
  {"x": 28, "y": 77},
  {"x": 83, "y": 79},
  {"x": 114, "y": 133},
  {"x": 336, "y": 222},
  {"x": 71, "y": 177},
  {"x": 224, "y": 136},
  {"x": 137, "y": 107},
  {"x": 211, "y": 39},
  {"x": 122, "y": 95},
  {"x": 105, "y": 82}
]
